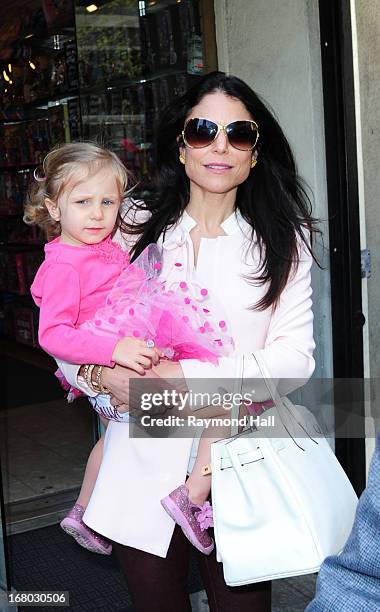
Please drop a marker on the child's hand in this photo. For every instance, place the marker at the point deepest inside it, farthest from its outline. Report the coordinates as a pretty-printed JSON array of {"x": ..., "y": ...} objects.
[{"x": 135, "y": 354}]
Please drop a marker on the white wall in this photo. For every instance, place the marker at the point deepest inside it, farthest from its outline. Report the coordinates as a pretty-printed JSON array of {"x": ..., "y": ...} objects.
[
  {"x": 367, "y": 17},
  {"x": 366, "y": 47},
  {"x": 274, "y": 46}
]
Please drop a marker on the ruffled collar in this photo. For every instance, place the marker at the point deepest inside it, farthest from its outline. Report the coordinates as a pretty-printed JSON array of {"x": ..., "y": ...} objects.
[{"x": 107, "y": 250}]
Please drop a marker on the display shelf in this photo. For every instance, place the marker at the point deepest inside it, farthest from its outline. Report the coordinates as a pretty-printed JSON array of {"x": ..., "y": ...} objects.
[
  {"x": 37, "y": 32},
  {"x": 125, "y": 82},
  {"x": 20, "y": 115},
  {"x": 47, "y": 39},
  {"x": 62, "y": 96},
  {"x": 37, "y": 108},
  {"x": 41, "y": 67}
]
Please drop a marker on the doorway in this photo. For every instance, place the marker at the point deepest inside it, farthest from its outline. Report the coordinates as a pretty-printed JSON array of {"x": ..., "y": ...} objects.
[{"x": 298, "y": 57}]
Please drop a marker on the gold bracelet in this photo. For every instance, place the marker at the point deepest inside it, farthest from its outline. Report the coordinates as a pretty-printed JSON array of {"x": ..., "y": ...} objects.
[
  {"x": 96, "y": 383},
  {"x": 83, "y": 371},
  {"x": 99, "y": 381},
  {"x": 88, "y": 376},
  {"x": 96, "y": 380},
  {"x": 94, "y": 377}
]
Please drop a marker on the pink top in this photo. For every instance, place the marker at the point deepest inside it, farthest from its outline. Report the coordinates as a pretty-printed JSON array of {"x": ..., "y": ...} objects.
[
  {"x": 69, "y": 287},
  {"x": 151, "y": 467}
]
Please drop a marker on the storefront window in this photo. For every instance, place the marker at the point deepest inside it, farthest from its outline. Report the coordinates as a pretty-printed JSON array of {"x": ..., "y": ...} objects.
[
  {"x": 71, "y": 70},
  {"x": 133, "y": 58}
]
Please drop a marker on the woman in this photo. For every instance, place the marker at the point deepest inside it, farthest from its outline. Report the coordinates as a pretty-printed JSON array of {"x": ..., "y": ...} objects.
[{"x": 232, "y": 216}]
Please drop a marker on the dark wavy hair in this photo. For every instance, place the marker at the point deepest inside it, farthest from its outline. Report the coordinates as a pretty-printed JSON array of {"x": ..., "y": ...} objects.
[{"x": 273, "y": 199}]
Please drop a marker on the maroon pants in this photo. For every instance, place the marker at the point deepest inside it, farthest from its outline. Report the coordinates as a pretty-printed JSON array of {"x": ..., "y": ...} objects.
[{"x": 160, "y": 585}]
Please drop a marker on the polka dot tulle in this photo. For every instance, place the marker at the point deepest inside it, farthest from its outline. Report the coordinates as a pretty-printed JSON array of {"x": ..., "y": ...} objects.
[{"x": 180, "y": 322}]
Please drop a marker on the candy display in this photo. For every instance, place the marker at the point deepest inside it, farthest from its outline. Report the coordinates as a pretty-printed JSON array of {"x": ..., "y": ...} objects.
[{"x": 70, "y": 74}]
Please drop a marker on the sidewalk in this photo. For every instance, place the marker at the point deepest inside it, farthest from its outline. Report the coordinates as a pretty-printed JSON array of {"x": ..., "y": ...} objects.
[
  {"x": 47, "y": 559},
  {"x": 289, "y": 595}
]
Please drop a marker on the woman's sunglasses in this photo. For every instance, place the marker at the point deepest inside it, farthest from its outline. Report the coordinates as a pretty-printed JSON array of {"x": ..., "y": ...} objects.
[{"x": 198, "y": 133}]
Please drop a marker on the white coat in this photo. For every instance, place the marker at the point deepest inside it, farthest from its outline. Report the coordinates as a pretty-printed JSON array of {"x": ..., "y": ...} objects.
[{"x": 136, "y": 473}]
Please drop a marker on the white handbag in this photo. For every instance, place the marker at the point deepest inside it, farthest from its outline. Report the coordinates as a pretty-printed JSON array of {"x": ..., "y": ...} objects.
[{"x": 281, "y": 500}]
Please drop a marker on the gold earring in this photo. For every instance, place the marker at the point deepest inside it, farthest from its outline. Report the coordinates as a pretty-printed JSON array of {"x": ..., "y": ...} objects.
[
  {"x": 182, "y": 158},
  {"x": 253, "y": 162}
]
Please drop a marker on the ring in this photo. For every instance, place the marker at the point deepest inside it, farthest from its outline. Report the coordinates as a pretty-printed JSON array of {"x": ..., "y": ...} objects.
[{"x": 150, "y": 343}]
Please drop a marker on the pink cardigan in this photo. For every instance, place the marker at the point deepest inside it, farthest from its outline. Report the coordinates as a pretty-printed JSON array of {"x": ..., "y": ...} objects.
[{"x": 69, "y": 287}]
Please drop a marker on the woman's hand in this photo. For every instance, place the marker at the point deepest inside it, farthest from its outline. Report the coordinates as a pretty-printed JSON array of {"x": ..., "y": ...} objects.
[
  {"x": 116, "y": 380},
  {"x": 165, "y": 377},
  {"x": 172, "y": 372},
  {"x": 169, "y": 370},
  {"x": 172, "y": 376}
]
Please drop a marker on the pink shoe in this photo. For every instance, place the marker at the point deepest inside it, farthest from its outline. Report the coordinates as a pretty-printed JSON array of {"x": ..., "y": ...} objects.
[
  {"x": 193, "y": 519},
  {"x": 86, "y": 537}
]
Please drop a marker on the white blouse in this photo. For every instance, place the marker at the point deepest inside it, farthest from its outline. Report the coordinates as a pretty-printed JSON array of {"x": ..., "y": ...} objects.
[{"x": 136, "y": 473}]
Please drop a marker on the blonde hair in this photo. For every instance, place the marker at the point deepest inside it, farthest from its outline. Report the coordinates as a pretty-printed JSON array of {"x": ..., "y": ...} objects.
[{"x": 59, "y": 167}]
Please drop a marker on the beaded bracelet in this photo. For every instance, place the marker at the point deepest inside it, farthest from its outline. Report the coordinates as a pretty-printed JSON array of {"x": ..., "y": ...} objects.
[
  {"x": 96, "y": 381},
  {"x": 87, "y": 375}
]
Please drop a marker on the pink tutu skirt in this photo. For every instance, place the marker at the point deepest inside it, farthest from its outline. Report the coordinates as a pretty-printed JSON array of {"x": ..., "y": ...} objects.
[{"x": 175, "y": 322}]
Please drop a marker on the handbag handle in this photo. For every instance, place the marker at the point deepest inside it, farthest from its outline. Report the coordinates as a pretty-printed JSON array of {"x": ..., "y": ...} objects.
[
  {"x": 277, "y": 399},
  {"x": 274, "y": 394},
  {"x": 235, "y": 410}
]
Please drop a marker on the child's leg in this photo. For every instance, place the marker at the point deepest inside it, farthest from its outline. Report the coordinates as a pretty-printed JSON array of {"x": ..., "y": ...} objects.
[
  {"x": 91, "y": 473},
  {"x": 186, "y": 505},
  {"x": 72, "y": 522},
  {"x": 198, "y": 483}
]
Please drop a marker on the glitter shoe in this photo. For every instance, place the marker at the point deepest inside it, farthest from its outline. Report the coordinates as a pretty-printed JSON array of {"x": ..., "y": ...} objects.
[
  {"x": 193, "y": 519},
  {"x": 86, "y": 537}
]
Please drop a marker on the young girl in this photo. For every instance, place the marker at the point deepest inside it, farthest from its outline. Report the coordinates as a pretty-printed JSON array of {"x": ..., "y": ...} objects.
[{"x": 98, "y": 308}]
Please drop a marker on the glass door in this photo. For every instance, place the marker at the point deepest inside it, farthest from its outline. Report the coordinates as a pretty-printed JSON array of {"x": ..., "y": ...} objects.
[{"x": 133, "y": 58}]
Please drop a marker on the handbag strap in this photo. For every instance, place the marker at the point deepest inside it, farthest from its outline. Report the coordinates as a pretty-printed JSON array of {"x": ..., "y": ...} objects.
[
  {"x": 236, "y": 407},
  {"x": 284, "y": 407},
  {"x": 274, "y": 394}
]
